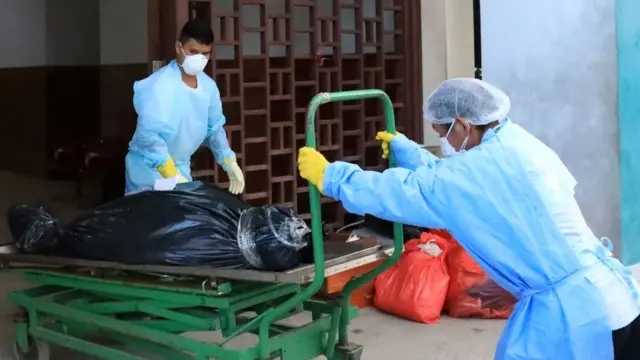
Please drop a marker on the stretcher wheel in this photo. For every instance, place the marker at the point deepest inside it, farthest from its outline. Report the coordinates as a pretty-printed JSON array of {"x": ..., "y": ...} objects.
[
  {"x": 348, "y": 352},
  {"x": 38, "y": 350}
]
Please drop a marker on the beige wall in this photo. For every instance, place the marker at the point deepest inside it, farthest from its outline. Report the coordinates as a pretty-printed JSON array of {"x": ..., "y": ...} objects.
[
  {"x": 123, "y": 32},
  {"x": 72, "y": 32},
  {"x": 447, "y": 46}
]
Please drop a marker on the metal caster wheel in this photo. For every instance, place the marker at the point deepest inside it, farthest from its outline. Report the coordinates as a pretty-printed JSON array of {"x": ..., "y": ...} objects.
[
  {"x": 38, "y": 350},
  {"x": 348, "y": 352}
]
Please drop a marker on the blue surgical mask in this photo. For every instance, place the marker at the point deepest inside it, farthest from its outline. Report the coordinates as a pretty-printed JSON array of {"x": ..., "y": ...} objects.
[{"x": 446, "y": 148}]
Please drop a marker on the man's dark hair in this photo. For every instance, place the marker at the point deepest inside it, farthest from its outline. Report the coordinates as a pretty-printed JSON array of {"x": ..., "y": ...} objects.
[{"x": 197, "y": 30}]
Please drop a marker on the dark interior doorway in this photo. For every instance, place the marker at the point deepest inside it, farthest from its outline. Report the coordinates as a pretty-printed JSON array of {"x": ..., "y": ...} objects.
[{"x": 477, "y": 38}]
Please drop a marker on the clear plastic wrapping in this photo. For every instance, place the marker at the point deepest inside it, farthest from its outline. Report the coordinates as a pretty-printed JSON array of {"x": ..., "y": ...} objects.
[{"x": 268, "y": 234}]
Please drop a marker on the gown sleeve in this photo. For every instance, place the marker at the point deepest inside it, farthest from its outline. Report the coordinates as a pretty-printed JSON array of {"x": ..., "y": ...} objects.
[
  {"x": 398, "y": 194},
  {"x": 153, "y": 104},
  {"x": 409, "y": 155},
  {"x": 216, "y": 135}
]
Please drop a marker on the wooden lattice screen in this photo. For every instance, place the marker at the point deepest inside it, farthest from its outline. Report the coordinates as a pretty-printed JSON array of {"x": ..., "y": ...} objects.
[{"x": 272, "y": 56}]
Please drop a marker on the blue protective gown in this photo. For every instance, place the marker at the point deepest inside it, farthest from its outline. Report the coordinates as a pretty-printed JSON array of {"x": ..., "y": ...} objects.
[
  {"x": 488, "y": 202},
  {"x": 173, "y": 120}
]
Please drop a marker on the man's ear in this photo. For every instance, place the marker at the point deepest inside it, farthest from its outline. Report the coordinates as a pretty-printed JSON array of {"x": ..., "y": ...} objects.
[
  {"x": 178, "y": 48},
  {"x": 465, "y": 125}
]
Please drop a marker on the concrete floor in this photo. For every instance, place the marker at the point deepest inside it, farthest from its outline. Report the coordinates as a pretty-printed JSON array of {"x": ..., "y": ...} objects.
[{"x": 384, "y": 337}]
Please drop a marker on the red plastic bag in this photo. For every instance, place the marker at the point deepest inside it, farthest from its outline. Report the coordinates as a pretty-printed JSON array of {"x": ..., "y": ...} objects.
[
  {"x": 416, "y": 287},
  {"x": 467, "y": 275}
]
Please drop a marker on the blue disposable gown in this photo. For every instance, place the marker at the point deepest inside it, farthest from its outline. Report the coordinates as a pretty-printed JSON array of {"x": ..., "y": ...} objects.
[
  {"x": 173, "y": 120},
  {"x": 488, "y": 202}
]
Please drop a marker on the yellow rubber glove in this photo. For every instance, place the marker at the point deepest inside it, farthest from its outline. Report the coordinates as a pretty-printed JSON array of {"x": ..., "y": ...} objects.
[
  {"x": 386, "y": 138},
  {"x": 311, "y": 165},
  {"x": 168, "y": 169},
  {"x": 236, "y": 178}
]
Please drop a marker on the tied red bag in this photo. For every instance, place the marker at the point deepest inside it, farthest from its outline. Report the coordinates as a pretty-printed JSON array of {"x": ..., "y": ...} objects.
[
  {"x": 467, "y": 275},
  {"x": 416, "y": 287}
]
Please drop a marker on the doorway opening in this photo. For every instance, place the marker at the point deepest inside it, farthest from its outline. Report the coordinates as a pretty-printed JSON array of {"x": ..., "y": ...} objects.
[{"x": 477, "y": 38}]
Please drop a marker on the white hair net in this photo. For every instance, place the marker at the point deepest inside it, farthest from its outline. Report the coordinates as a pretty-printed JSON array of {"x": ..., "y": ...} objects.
[{"x": 473, "y": 100}]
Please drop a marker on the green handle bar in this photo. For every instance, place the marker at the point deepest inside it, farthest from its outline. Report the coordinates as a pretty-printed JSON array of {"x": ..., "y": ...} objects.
[
  {"x": 316, "y": 231},
  {"x": 316, "y": 216}
]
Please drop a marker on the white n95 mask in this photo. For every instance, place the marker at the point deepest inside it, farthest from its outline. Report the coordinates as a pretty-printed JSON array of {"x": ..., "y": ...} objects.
[
  {"x": 194, "y": 64},
  {"x": 446, "y": 148}
]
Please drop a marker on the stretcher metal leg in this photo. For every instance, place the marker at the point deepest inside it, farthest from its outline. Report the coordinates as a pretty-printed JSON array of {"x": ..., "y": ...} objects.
[
  {"x": 350, "y": 351},
  {"x": 145, "y": 318}
]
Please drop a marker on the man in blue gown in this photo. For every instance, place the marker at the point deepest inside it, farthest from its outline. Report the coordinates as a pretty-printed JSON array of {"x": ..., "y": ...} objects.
[{"x": 179, "y": 109}]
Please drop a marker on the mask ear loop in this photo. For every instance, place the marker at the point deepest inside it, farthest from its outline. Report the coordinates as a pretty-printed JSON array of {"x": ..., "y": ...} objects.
[
  {"x": 184, "y": 54},
  {"x": 464, "y": 145},
  {"x": 450, "y": 128},
  {"x": 466, "y": 139}
]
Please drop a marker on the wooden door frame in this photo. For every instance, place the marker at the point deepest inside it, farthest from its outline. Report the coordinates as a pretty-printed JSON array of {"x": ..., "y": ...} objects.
[
  {"x": 154, "y": 47},
  {"x": 165, "y": 19},
  {"x": 413, "y": 70}
]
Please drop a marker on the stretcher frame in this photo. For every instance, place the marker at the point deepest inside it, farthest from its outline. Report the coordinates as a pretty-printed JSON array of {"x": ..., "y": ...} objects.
[{"x": 145, "y": 309}]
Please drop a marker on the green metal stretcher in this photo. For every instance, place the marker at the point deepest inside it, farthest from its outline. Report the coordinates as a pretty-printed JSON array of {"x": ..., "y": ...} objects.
[{"x": 123, "y": 312}]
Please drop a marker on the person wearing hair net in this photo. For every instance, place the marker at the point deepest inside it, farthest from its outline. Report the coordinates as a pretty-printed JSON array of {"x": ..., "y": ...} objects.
[
  {"x": 179, "y": 109},
  {"x": 509, "y": 200}
]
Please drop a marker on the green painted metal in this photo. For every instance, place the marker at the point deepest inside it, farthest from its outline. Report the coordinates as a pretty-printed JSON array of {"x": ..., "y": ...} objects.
[
  {"x": 628, "y": 42},
  {"x": 314, "y": 197},
  {"x": 145, "y": 314},
  {"x": 21, "y": 335}
]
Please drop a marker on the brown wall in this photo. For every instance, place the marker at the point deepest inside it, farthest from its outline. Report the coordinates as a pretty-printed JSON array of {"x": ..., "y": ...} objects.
[
  {"x": 73, "y": 104},
  {"x": 45, "y": 107},
  {"x": 23, "y": 105}
]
